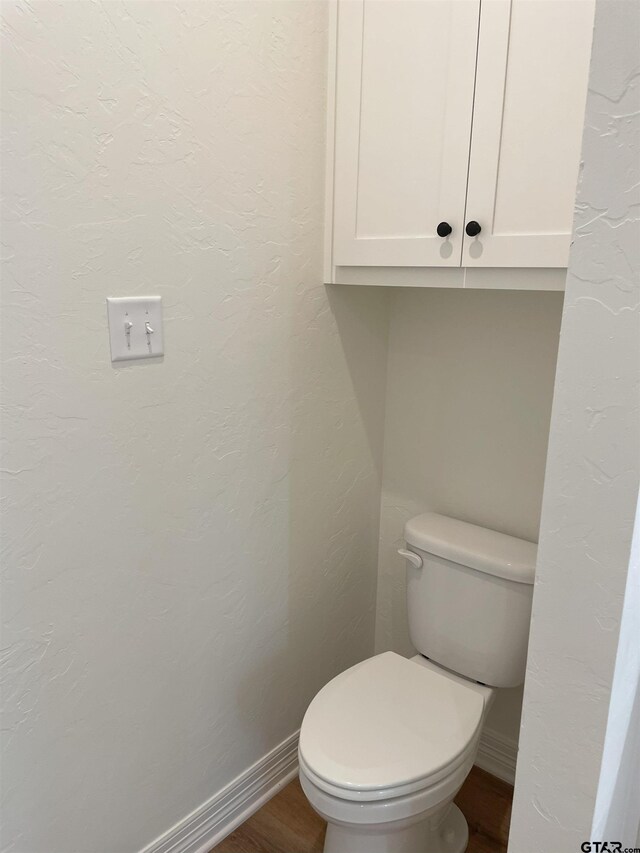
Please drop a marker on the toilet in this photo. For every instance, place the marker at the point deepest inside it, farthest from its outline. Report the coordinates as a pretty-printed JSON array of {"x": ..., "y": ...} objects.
[{"x": 386, "y": 745}]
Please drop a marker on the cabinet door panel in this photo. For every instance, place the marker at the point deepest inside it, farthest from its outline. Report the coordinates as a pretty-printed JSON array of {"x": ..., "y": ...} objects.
[
  {"x": 533, "y": 59},
  {"x": 405, "y": 76}
]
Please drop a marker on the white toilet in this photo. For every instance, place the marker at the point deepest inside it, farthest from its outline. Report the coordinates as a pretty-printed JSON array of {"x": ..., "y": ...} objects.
[{"x": 386, "y": 745}]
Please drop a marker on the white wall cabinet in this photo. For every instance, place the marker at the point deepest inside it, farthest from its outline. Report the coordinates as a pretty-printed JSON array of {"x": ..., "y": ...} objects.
[{"x": 446, "y": 113}]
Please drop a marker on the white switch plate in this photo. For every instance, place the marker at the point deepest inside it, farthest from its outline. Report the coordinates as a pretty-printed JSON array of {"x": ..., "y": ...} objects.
[{"x": 137, "y": 342}]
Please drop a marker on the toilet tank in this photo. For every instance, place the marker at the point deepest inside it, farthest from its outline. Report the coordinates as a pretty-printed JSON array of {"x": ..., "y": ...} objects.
[{"x": 469, "y": 602}]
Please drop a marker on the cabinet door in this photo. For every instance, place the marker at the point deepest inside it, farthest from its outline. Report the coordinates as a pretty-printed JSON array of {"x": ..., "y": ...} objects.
[
  {"x": 404, "y": 99},
  {"x": 531, "y": 84}
]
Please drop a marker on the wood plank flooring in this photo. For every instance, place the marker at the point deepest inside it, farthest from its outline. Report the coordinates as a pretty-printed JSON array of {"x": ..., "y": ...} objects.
[{"x": 288, "y": 824}]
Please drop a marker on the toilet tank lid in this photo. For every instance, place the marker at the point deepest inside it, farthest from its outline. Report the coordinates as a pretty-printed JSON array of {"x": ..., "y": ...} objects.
[{"x": 476, "y": 547}]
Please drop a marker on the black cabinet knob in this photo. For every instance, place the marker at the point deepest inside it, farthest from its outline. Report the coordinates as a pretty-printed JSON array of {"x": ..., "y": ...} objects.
[
  {"x": 444, "y": 229},
  {"x": 473, "y": 228}
]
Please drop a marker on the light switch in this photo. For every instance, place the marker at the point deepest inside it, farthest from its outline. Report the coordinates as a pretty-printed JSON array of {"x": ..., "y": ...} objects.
[{"x": 135, "y": 327}]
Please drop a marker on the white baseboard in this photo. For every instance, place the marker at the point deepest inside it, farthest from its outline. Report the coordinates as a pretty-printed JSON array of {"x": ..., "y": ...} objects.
[
  {"x": 205, "y": 827},
  {"x": 497, "y": 755}
]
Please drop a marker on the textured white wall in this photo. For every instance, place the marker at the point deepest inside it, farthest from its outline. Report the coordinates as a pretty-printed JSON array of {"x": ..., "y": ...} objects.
[
  {"x": 469, "y": 389},
  {"x": 591, "y": 485},
  {"x": 190, "y": 546}
]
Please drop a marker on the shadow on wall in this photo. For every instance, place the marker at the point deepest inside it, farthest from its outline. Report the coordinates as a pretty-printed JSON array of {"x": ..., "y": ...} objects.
[{"x": 331, "y": 497}]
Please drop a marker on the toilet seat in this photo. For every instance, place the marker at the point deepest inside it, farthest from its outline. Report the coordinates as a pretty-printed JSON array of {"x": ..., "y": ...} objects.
[
  {"x": 421, "y": 803},
  {"x": 388, "y": 727}
]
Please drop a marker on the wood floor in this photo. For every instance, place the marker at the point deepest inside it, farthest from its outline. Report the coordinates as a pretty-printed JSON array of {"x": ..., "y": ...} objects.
[{"x": 288, "y": 824}]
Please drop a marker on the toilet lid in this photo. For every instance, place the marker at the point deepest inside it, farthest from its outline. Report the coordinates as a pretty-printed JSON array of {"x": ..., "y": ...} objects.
[{"x": 387, "y": 722}]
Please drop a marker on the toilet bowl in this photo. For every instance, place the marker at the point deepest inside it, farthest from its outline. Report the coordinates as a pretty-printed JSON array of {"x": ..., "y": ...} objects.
[
  {"x": 384, "y": 749},
  {"x": 385, "y": 746}
]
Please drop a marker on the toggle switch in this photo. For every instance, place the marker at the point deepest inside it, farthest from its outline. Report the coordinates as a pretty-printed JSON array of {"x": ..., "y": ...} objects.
[{"x": 135, "y": 327}]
